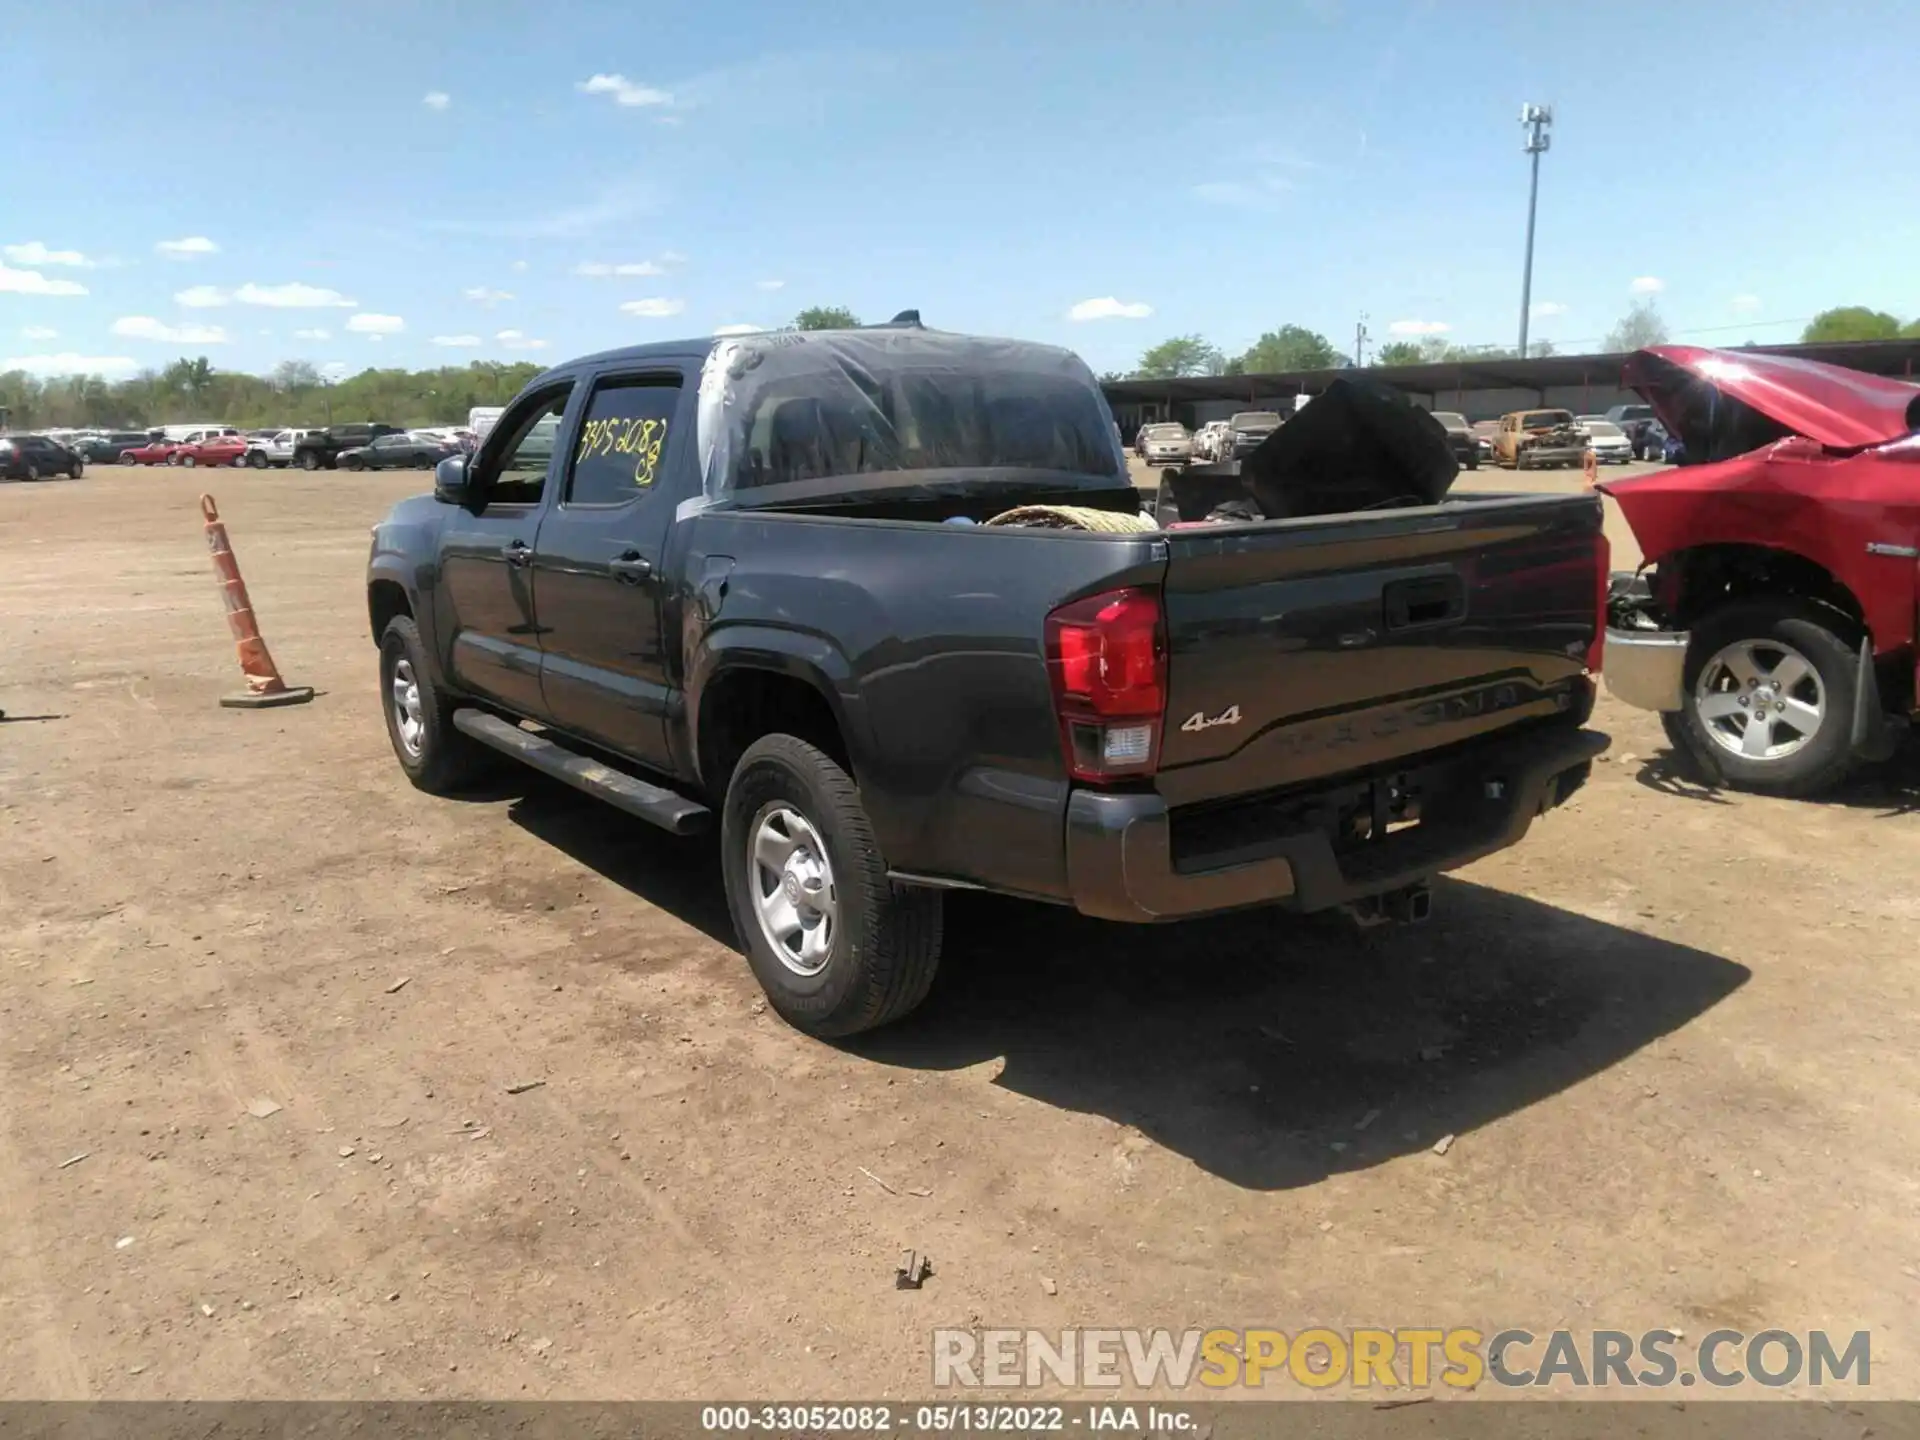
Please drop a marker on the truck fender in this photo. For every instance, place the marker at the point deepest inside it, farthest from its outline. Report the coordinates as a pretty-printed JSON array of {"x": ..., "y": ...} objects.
[{"x": 809, "y": 658}]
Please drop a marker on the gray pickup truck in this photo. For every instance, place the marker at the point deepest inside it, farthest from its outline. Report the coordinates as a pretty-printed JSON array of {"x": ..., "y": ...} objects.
[{"x": 800, "y": 588}]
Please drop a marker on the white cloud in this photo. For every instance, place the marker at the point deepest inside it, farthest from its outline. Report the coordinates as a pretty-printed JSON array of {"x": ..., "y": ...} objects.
[
  {"x": 1264, "y": 193},
  {"x": 672, "y": 257},
  {"x": 145, "y": 327},
  {"x": 1745, "y": 304},
  {"x": 654, "y": 309},
  {"x": 463, "y": 341},
  {"x": 515, "y": 340},
  {"x": 1647, "y": 285},
  {"x": 1547, "y": 308},
  {"x": 201, "y": 297},
  {"x": 769, "y": 284},
  {"x": 623, "y": 91},
  {"x": 188, "y": 248},
  {"x": 1419, "y": 327},
  {"x": 293, "y": 296},
  {"x": 739, "y": 329},
  {"x": 38, "y": 332},
  {"x": 519, "y": 265},
  {"x": 486, "y": 296},
  {"x": 36, "y": 253},
  {"x": 368, "y": 323},
  {"x": 1108, "y": 308},
  {"x": 630, "y": 267},
  {"x": 32, "y": 282},
  {"x": 313, "y": 334},
  {"x": 436, "y": 100},
  {"x": 68, "y": 363}
]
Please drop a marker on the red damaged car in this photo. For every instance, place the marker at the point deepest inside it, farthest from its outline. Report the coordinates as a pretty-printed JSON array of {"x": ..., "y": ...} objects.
[{"x": 1773, "y": 622}]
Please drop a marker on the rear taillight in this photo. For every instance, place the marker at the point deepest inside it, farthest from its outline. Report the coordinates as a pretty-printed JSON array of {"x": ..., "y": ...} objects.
[
  {"x": 1603, "y": 587},
  {"x": 1107, "y": 659}
]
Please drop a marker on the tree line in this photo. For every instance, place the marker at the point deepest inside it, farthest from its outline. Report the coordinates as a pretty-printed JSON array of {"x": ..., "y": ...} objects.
[
  {"x": 295, "y": 393},
  {"x": 1295, "y": 347}
]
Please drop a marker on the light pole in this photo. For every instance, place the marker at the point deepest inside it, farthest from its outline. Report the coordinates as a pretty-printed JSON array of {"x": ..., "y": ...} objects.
[{"x": 1537, "y": 118}]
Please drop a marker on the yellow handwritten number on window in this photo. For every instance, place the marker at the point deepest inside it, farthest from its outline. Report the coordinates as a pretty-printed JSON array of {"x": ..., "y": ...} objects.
[{"x": 640, "y": 438}]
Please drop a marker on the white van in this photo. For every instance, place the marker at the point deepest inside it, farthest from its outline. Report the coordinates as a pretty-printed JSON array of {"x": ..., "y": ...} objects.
[
  {"x": 200, "y": 430},
  {"x": 481, "y": 419}
]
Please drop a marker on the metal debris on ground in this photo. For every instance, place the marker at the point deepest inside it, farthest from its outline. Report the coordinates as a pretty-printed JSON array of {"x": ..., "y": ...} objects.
[
  {"x": 1046, "y": 1284},
  {"x": 912, "y": 1271},
  {"x": 72, "y": 1160},
  {"x": 523, "y": 1086},
  {"x": 1443, "y": 1144},
  {"x": 876, "y": 1180},
  {"x": 397, "y": 986},
  {"x": 260, "y": 1107},
  {"x": 921, "y": 1191}
]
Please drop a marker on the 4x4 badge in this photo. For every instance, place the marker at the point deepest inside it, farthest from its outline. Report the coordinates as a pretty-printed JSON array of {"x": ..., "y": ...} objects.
[{"x": 1199, "y": 720}]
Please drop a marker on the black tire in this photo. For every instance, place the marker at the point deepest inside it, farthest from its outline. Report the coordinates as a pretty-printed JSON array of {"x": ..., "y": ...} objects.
[
  {"x": 75, "y": 470},
  {"x": 256, "y": 460},
  {"x": 188, "y": 461},
  {"x": 354, "y": 464},
  {"x": 445, "y": 761},
  {"x": 1520, "y": 460},
  {"x": 1473, "y": 462},
  {"x": 885, "y": 946},
  {"x": 1825, "y": 757},
  {"x": 33, "y": 471},
  {"x": 309, "y": 461}
]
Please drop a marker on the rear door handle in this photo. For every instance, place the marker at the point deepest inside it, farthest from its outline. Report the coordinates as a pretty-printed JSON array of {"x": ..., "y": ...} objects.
[
  {"x": 631, "y": 568},
  {"x": 517, "y": 553}
]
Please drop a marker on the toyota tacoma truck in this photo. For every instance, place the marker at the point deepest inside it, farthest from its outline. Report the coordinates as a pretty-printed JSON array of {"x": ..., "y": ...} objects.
[{"x": 774, "y": 585}]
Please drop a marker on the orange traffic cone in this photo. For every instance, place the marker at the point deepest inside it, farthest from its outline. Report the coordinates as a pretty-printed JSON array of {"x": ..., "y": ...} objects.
[{"x": 264, "y": 686}]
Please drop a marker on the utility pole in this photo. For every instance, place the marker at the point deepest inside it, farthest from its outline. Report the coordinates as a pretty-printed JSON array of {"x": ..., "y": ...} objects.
[
  {"x": 1537, "y": 119},
  {"x": 1360, "y": 342}
]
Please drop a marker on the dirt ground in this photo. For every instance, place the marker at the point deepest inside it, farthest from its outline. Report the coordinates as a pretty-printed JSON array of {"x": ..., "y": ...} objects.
[{"x": 1672, "y": 1033}]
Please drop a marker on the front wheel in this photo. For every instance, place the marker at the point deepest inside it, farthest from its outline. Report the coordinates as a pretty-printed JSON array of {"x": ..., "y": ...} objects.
[
  {"x": 256, "y": 461},
  {"x": 188, "y": 461},
  {"x": 309, "y": 461},
  {"x": 436, "y": 757},
  {"x": 1770, "y": 698},
  {"x": 838, "y": 947},
  {"x": 75, "y": 470}
]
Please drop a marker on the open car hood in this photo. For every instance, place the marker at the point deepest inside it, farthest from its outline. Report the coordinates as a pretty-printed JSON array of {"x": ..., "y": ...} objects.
[{"x": 1726, "y": 402}]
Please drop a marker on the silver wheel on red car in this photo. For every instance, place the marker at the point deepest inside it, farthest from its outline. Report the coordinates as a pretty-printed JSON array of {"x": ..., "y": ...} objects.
[
  {"x": 1770, "y": 694},
  {"x": 792, "y": 888},
  {"x": 1760, "y": 699}
]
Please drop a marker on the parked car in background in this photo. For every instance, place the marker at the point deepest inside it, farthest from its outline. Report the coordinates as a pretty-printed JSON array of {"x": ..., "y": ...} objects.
[
  {"x": 1166, "y": 444},
  {"x": 1484, "y": 434},
  {"x": 37, "y": 457},
  {"x": 275, "y": 450},
  {"x": 1772, "y": 624},
  {"x": 1635, "y": 421},
  {"x": 196, "y": 430},
  {"x": 1538, "y": 440},
  {"x": 228, "y": 447},
  {"x": 148, "y": 452},
  {"x": 1460, "y": 436},
  {"x": 1247, "y": 432},
  {"x": 1607, "y": 440},
  {"x": 105, "y": 449},
  {"x": 395, "y": 452},
  {"x": 321, "y": 449}
]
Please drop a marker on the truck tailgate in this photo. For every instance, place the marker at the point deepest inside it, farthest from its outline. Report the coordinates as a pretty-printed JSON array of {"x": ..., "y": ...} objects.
[{"x": 1311, "y": 648}]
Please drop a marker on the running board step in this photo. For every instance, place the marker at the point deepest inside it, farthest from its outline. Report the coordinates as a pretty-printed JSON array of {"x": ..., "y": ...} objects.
[{"x": 651, "y": 803}]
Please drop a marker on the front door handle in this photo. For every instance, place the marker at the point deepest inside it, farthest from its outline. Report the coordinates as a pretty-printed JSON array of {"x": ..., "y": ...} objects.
[
  {"x": 518, "y": 553},
  {"x": 631, "y": 568}
]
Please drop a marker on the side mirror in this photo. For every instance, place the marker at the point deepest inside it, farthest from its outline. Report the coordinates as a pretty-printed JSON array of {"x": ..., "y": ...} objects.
[{"x": 450, "y": 483}]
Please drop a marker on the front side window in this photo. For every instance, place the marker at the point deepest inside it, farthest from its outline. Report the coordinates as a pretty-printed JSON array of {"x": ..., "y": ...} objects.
[
  {"x": 623, "y": 440},
  {"x": 518, "y": 465}
]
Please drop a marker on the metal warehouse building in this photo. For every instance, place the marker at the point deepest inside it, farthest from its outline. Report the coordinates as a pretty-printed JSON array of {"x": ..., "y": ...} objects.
[{"x": 1478, "y": 389}]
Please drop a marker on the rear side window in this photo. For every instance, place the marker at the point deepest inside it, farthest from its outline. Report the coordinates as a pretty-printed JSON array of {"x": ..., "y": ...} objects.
[{"x": 623, "y": 440}]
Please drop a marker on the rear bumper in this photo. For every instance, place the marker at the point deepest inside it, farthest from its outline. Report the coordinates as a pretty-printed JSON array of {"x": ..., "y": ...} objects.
[
  {"x": 1120, "y": 853},
  {"x": 1646, "y": 668}
]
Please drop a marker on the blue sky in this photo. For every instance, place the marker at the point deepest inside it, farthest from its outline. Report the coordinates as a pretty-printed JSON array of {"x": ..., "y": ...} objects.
[{"x": 361, "y": 183}]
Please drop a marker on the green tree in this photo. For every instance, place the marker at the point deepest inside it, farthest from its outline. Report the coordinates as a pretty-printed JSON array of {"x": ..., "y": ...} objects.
[
  {"x": 1291, "y": 347},
  {"x": 1639, "y": 327},
  {"x": 1851, "y": 322},
  {"x": 1400, "y": 352},
  {"x": 825, "y": 317},
  {"x": 1180, "y": 355}
]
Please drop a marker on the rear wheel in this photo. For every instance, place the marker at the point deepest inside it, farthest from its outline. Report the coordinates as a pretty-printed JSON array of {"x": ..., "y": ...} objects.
[
  {"x": 309, "y": 461},
  {"x": 75, "y": 470},
  {"x": 33, "y": 471},
  {"x": 1770, "y": 698},
  {"x": 837, "y": 946}
]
